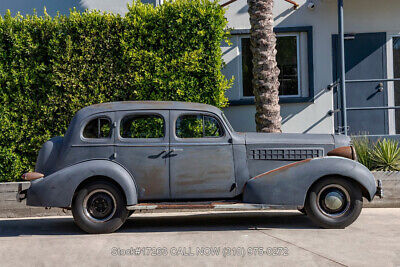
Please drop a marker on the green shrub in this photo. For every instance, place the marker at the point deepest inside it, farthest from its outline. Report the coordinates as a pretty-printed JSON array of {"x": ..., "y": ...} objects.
[
  {"x": 385, "y": 155},
  {"x": 52, "y": 67},
  {"x": 363, "y": 149}
]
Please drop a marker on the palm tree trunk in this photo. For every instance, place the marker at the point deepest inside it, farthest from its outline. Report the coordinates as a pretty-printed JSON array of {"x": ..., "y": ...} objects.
[{"x": 265, "y": 69}]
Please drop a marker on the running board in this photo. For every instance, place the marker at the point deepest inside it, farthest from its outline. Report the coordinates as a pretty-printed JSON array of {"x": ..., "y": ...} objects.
[{"x": 212, "y": 205}]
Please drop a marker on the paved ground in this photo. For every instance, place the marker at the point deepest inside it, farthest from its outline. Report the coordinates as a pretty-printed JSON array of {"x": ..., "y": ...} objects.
[{"x": 182, "y": 237}]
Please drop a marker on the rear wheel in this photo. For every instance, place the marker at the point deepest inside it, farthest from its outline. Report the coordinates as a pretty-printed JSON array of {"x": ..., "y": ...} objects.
[
  {"x": 334, "y": 203},
  {"x": 99, "y": 208}
]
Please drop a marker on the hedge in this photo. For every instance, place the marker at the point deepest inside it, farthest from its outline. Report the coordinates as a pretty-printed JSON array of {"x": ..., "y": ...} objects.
[{"x": 50, "y": 67}]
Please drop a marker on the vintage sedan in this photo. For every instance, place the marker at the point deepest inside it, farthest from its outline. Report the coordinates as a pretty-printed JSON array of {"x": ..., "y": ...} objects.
[{"x": 119, "y": 157}]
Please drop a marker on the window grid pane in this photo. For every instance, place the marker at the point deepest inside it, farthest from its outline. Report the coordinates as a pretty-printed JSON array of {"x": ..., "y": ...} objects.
[
  {"x": 287, "y": 59},
  {"x": 396, "y": 74},
  {"x": 287, "y": 64}
]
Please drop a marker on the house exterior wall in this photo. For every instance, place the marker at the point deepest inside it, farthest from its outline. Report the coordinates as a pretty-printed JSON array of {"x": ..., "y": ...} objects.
[
  {"x": 302, "y": 116},
  {"x": 360, "y": 16}
]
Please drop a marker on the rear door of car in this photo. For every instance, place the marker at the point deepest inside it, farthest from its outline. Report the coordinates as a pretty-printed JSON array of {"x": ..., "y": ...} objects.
[{"x": 142, "y": 142}]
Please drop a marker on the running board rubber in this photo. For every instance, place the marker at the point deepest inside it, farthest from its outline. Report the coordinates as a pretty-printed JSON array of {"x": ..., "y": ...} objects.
[{"x": 213, "y": 205}]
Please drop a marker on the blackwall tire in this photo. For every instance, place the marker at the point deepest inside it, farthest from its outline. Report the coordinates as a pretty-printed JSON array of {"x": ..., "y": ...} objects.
[
  {"x": 99, "y": 208},
  {"x": 334, "y": 202}
]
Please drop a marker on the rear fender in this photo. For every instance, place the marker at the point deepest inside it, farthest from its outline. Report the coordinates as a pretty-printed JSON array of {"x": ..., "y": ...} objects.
[
  {"x": 289, "y": 184},
  {"x": 57, "y": 189}
]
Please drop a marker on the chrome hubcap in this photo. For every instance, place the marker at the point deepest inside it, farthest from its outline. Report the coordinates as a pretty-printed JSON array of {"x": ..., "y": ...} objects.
[{"x": 333, "y": 200}]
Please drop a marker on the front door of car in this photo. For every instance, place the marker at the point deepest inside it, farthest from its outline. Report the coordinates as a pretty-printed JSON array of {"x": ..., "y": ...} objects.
[
  {"x": 201, "y": 156},
  {"x": 142, "y": 143}
]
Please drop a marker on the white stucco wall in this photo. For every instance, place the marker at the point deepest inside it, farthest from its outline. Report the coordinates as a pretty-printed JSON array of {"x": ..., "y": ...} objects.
[{"x": 360, "y": 16}]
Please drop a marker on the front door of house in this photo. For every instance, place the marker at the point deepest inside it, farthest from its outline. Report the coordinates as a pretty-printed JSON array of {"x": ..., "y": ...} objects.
[{"x": 365, "y": 55}]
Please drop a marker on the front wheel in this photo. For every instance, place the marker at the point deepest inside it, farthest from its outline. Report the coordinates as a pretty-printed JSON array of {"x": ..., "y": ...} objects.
[
  {"x": 99, "y": 208},
  {"x": 334, "y": 203}
]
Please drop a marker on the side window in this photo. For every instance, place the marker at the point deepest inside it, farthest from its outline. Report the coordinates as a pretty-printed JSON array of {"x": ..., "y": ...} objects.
[
  {"x": 142, "y": 126},
  {"x": 98, "y": 128},
  {"x": 198, "y": 126}
]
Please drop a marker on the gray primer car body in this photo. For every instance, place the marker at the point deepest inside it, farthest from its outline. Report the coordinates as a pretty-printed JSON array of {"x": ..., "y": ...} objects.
[{"x": 261, "y": 168}]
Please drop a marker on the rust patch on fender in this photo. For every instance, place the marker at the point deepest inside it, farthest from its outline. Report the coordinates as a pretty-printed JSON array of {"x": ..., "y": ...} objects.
[{"x": 282, "y": 168}]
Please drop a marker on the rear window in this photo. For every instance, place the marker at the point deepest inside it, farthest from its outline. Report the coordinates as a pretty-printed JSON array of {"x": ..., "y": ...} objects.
[
  {"x": 142, "y": 126},
  {"x": 98, "y": 128}
]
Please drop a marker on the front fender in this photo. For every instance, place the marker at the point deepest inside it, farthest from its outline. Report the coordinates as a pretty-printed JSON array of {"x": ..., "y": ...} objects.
[
  {"x": 57, "y": 189},
  {"x": 289, "y": 184}
]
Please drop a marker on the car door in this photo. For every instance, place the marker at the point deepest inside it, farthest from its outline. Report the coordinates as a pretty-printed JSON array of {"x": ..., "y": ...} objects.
[
  {"x": 201, "y": 156},
  {"x": 142, "y": 142}
]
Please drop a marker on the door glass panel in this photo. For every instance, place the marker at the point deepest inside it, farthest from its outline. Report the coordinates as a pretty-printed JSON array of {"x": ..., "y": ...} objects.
[
  {"x": 198, "y": 126},
  {"x": 212, "y": 127},
  {"x": 142, "y": 126},
  {"x": 98, "y": 128},
  {"x": 189, "y": 126},
  {"x": 396, "y": 73}
]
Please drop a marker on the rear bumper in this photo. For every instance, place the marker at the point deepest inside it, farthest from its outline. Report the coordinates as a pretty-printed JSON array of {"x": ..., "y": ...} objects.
[
  {"x": 379, "y": 189},
  {"x": 36, "y": 194},
  {"x": 21, "y": 194},
  {"x": 31, "y": 194}
]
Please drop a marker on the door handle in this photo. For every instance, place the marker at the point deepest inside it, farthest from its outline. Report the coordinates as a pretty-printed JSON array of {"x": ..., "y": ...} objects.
[
  {"x": 171, "y": 154},
  {"x": 157, "y": 155}
]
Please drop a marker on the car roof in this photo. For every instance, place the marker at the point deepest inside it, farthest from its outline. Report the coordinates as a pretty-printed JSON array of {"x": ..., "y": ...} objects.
[{"x": 145, "y": 105}]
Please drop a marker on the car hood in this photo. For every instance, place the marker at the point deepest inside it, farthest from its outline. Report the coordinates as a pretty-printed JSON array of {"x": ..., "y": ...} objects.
[{"x": 293, "y": 138}]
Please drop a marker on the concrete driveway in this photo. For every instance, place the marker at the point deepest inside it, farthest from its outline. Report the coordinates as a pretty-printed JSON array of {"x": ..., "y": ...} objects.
[{"x": 205, "y": 239}]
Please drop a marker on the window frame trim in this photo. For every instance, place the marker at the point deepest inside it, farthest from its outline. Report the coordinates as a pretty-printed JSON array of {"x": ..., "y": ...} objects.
[{"x": 310, "y": 62}]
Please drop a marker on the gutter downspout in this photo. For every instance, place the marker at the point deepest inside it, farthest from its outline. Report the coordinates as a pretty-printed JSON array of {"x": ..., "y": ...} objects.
[{"x": 342, "y": 65}]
